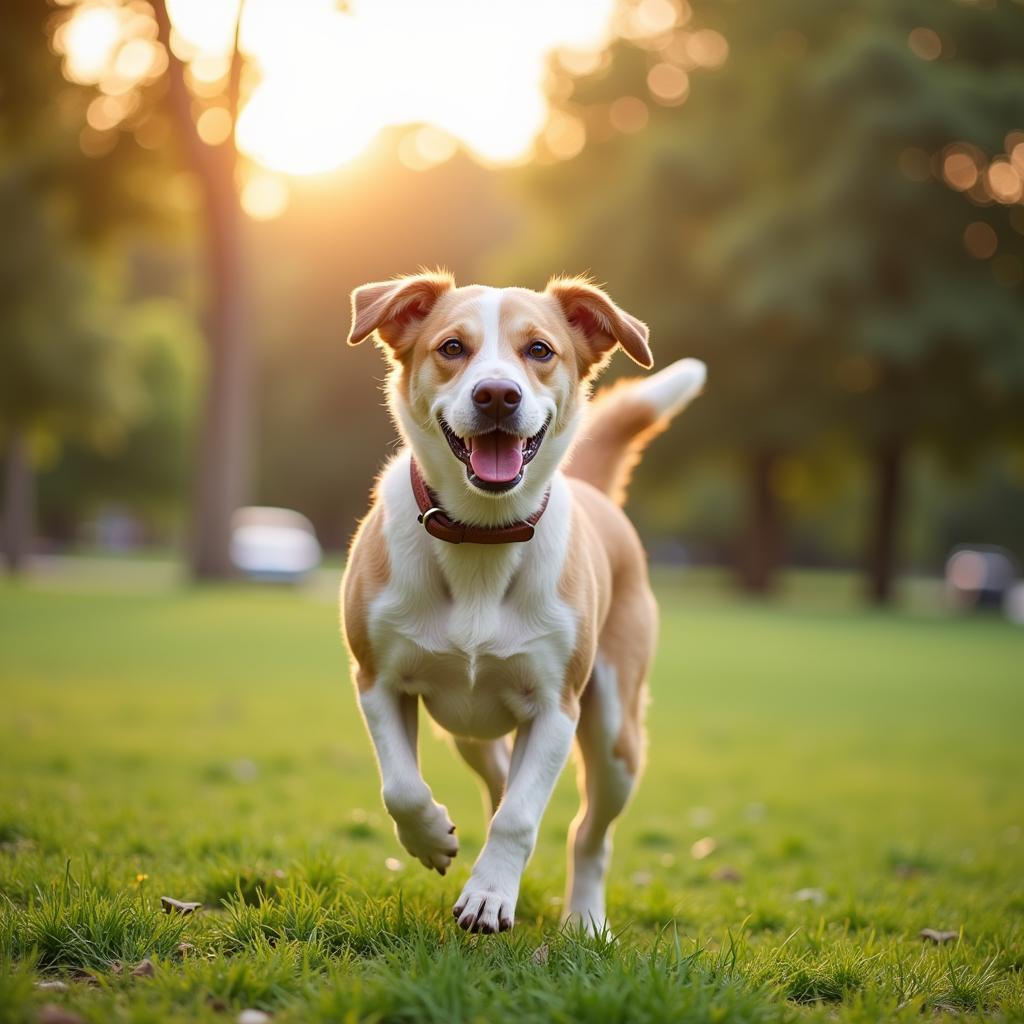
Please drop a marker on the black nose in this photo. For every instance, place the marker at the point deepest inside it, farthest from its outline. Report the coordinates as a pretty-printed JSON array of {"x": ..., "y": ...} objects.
[{"x": 497, "y": 398}]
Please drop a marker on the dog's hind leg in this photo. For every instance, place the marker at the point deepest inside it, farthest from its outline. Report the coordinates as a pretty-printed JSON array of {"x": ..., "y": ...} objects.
[
  {"x": 490, "y": 760},
  {"x": 607, "y": 773}
]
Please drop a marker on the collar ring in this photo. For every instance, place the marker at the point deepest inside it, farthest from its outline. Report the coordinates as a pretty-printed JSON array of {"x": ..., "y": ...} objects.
[{"x": 424, "y": 517}]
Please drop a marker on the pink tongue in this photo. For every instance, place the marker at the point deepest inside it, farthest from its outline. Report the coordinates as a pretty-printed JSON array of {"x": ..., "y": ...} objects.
[{"x": 496, "y": 457}]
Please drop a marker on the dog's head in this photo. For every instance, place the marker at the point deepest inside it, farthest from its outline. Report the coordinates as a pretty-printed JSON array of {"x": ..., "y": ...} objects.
[{"x": 486, "y": 384}]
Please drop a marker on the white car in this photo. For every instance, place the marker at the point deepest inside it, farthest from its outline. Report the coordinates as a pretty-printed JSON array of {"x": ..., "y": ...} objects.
[{"x": 273, "y": 544}]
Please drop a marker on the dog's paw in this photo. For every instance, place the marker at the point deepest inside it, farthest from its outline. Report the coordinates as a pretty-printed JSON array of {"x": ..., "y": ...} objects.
[
  {"x": 429, "y": 835},
  {"x": 485, "y": 909}
]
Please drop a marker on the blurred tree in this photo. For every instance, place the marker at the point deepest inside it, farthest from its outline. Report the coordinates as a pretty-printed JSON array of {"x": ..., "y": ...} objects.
[
  {"x": 793, "y": 223},
  {"x": 142, "y": 107},
  {"x": 146, "y": 468},
  {"x": 64, "y": 371},
  {"x": 223, "y": 461}
]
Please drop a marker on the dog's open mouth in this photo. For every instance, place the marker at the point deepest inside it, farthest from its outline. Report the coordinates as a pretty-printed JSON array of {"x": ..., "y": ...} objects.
[{"x": 494, "y": 461}]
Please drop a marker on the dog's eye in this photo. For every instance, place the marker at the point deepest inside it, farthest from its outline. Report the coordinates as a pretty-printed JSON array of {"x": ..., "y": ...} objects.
[
  {"x": 540, "y": 350},
  {"x": 451, "y": 348}
]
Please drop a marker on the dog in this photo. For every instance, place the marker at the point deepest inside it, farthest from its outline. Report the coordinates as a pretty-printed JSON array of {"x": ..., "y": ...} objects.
[{"x": 496, "y": 579}]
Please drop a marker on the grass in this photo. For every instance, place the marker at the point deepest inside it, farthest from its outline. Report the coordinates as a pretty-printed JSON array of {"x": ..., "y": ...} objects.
[{"x": 847, "y": 778}]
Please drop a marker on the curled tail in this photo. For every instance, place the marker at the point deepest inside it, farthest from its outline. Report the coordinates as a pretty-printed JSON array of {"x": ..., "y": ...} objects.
[{"x": 623, "y": 419}]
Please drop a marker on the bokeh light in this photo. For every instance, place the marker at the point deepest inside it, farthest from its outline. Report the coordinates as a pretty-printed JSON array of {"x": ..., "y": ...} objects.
[
  {"x": 264, "y": 196},
  {"x": 214, "y": 125},
  {"x": 980, "y": 240},
  {"x": 925, "y": 43},
  {"x": 668, "y": 83},
  {"x": 707, "y": 48},
  {"x": 628, "y": 114},
  {"x": 959, "y": 169},
  {"x": 1004, "y": 182}
]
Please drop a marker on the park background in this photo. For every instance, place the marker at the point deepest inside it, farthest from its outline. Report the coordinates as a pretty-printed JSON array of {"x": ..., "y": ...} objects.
[{"x": 823, "y": 201}]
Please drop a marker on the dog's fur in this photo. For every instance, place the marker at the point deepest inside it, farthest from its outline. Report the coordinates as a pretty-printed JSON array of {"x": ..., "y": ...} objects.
[{"x": 551, "y": 639}]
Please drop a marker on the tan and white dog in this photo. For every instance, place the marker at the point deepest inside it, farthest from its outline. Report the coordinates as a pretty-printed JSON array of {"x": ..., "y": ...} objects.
[{"x": 496, "y": 578}]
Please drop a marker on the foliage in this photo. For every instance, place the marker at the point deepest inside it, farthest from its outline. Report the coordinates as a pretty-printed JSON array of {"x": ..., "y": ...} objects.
[
  {"x": 793, "y": 223},
  {"x": 64, "y": 370},
  {"x": 790, "y": 223},
  {"x": 857, "y": 773}
]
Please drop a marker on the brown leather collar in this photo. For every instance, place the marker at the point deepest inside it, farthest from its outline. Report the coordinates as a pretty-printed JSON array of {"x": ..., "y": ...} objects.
[{"x": 437, "y": 523}]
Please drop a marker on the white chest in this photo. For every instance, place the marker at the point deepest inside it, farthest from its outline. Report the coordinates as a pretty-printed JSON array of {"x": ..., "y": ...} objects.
[
  {"x": 481, "y": 668},
  {"x": 480, "y": 633}
]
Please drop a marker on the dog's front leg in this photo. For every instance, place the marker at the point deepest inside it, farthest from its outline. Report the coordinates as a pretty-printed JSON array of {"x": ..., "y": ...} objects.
[
  {"x": 422, "y": 824},
  {"x": 488, "y": 901}
]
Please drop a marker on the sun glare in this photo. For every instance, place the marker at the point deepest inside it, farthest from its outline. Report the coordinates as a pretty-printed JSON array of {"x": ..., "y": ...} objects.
[{"x": 327, "y": 78}]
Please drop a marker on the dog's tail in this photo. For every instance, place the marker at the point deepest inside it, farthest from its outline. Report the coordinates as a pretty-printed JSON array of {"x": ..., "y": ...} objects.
[{"x": 622, "y": 419}]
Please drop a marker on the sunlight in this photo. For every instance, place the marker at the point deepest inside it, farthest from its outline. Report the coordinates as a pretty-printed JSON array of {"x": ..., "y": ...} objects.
[
  {"x": 473, "y": 72},
  {"x": 90, "y": 39}
]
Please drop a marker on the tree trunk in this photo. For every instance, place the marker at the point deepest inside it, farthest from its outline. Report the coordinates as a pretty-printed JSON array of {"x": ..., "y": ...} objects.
[
  {"x": 222, "y": 463},
  {"x": 761, "y": 546},
  {"x": 19, "y": 503},
  {"x": 881, "y": 560}
]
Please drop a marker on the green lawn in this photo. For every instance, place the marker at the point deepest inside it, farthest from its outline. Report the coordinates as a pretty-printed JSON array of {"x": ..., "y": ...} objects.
[{"x": 858, "y": 775}]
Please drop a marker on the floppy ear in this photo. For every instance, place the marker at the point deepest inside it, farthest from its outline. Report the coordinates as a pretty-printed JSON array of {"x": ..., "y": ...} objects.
[
  {"x": 388, "y": 307},
  {"x": 602, "y": 324}
]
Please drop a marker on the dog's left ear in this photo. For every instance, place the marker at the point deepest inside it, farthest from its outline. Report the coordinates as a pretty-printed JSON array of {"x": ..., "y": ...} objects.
[
  {"x": 389, "y": 307},
  {"x": 602, "y": 323}
]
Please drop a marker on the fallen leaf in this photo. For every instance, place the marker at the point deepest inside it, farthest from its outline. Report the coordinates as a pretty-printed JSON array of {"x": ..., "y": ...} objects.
[
  {"x": 216, "y": 1004},
  {"x": 144, "y": 969},
  {"x": 51, "y": 1013},
  {"x": 938, "y": 937},
  {"x": 727, "y": 874},
  {"x": 84, "y": 977},
  {"x": 540, "y": 954},
  {"x": 253, "y": 1017},
  {"x": 184, "y": 948},
  {"x": 52, "y": 986},
  {"x": 703, "y": 848},
  {"x": 172, "y": 906}
]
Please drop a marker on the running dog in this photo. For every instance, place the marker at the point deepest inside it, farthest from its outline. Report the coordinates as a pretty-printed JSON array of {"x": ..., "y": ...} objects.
[{"x": 496, "y": 578}]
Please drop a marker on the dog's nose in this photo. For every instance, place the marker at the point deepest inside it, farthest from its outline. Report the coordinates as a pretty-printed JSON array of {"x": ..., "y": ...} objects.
[{"x": 497, "y": 398}]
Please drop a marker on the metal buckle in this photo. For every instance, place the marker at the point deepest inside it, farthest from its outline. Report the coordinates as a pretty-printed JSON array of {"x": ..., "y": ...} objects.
[{"x": 424, "y": 517}]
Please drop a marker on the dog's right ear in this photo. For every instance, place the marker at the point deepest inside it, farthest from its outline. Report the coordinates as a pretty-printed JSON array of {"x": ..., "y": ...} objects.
[{"x": 389, "y": 307}]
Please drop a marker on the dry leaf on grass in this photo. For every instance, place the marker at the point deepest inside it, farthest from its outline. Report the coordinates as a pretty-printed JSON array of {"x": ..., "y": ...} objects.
[
  {"x": 51, "y": 1013},
  {"x": 52, "y": 986},
  {"x": 938, "y": 937},
  {"x": 727, "y": 874},
  {"x": 172, "y": 906},
  {"x": 540, "y": 954},
  {"x": 144, "y": 969}
]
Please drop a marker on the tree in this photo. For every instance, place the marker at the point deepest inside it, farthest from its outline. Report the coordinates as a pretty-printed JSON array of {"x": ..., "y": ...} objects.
[
  {"x": 64, "y": 372},
  {"x": 132, "y": 103},
  {"x": 924, "y": 341},
  {"x": 222, "y": 479},
  {"x": 791, "y": 224}
]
